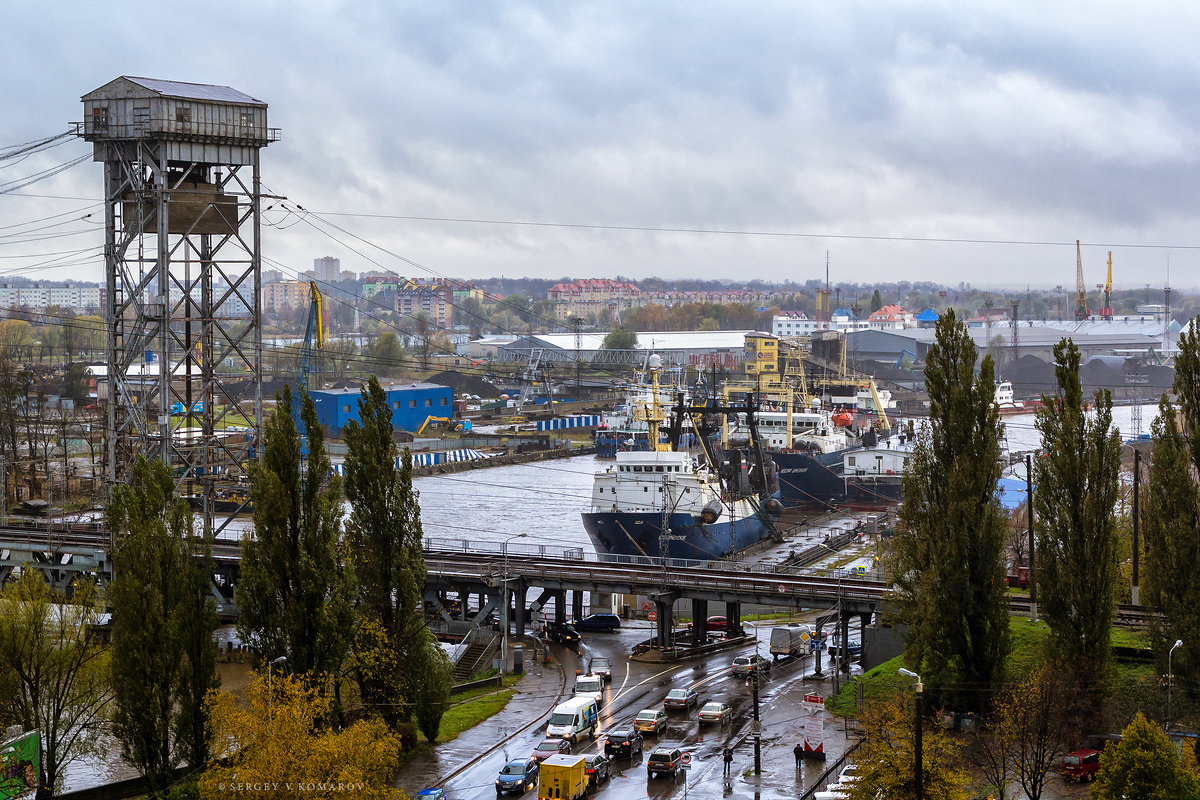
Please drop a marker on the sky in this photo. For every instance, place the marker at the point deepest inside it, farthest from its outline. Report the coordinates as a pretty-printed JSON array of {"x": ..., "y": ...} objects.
[{"x": 921, "y": 141}]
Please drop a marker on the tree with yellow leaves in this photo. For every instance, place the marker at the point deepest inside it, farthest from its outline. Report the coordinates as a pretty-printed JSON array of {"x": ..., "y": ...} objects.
[
  {"x": 886, "y": 758},
  {"x": 275, "y": 746}
]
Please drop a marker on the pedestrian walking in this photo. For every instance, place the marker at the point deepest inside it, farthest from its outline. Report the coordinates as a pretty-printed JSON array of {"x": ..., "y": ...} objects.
[
  {"x": 798, "y": 752},
  {"x": 728, "y": 760}
]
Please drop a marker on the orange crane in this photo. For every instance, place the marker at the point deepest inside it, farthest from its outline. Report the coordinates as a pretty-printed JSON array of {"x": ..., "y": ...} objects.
[
  {"x": 1081, "y": 309},
  {"x": 1106, "y": 311}
]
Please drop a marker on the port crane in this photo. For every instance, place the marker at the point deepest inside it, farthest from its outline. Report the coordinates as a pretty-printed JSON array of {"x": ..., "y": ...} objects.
[
  {"x": 1081, "y": 309},
  {"x": 1106, "y": 311},
  {"x": 314, "y": 339}
]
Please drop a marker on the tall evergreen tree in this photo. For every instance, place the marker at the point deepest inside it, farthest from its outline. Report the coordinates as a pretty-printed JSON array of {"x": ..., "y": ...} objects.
[
  {"x": 1172, "y": 513},
  {"x": 295, "y": 598},
  {"x": 163, "y": 660},
  {"x": 384, "y": 538},
  {"x": 1075, "y": 495},
  {"x": 876, "y": 301},
  {"x": 948, "y": 554}
]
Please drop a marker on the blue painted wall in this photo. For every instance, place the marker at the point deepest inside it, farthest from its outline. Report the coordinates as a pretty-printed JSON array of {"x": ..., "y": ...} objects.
[{"x": 411, "y": 405}]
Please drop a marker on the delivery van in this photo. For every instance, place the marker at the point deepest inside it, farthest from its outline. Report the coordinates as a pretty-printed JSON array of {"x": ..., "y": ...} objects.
[
  {"x": 790, "y": 640},
  {"x": 590, "y": 686},
  {"x": 574, "y": 719},
  {"x": 563, "y": 777}
]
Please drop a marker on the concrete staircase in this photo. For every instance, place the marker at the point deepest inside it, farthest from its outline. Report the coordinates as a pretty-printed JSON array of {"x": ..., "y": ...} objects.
[{"x": 476, "y": 658}]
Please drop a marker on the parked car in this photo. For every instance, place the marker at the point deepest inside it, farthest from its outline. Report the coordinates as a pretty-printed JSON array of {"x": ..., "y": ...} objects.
[
  {"x": 518, "y": 775},
  {"x": 1081, "y": 765},
  {"x": 745, "y": 666},
  {"x": 665, "y": 761},
  {"x": 550, "y": 747},
  {"x": 849, "y": 774},
  {"x": 597, "y": 769},
  {"x": 601, "y": 666},
  {"x": 651, "y": 720},
  {"x": 562, "y": 633},
  {"x": 432, "y": 794},
  {"x": 623, "y": 741},
  {"x": 681, "y": 698},
  {"x": 719, "y": 713},
  {"x": 598, "y": 622}
]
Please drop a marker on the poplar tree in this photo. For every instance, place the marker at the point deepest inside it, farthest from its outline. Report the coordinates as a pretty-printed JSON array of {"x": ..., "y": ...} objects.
[
  {"x": 384, "y": 537},
  {"x": 948, "y": 554},
  {"x": 163, "y": 659},
  {"x": 1172, "y": 512},
  {"x": 295, "y": 599},
  {"x": 1075, "y": 495}
]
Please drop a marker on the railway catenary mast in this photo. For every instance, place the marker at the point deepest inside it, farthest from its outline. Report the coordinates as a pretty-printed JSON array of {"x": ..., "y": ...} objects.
[{"x": 183, "y": 268}]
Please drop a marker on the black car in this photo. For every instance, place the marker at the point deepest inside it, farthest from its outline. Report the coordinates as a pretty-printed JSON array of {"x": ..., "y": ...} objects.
[
  {"x": 623, "y": 742},
  {"x": 599, "y": 622},
  {"x": 664, "y": 761},
  {"x": 562, "y": 633},
  {"x": 597, "y": 769}
]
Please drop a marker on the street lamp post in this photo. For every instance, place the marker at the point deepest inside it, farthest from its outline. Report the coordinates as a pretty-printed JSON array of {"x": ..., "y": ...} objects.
[
  {"x": 270, "y": 696},
  {"x": 918, "y": 777},
  {"x": 756, "y": 727},
  {"x": 1170, "y": 679},
  {"x": 504, "y": 609}
]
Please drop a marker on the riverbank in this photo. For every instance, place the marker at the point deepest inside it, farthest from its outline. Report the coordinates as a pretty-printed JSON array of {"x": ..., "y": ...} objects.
[{"x": 504, "y": 460}]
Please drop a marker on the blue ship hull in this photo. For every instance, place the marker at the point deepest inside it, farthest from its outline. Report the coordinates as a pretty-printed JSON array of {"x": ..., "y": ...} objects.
[
  {"x": 806, "y": 479},
  {"x": 637, "y": 534}
]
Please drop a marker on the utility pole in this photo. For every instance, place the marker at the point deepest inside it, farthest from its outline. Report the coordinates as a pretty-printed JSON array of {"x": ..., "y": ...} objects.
[
  {"x": 756, "y": 726},
  {"x": 1033, "y": 609},
  {"x": 1016, "y": 343},
  {"x": 1137, "y": 471}
]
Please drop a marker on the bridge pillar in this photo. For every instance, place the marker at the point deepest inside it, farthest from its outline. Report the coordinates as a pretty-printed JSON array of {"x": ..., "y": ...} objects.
[
  {"x": 560, "y": 605},
  {"x": 864, "y": 622},
  {"x": 518, "y": 596},
  {"x": 699, "y": 622},
  {"x": 733, "y": 618},
  {"x": 664, "y": 622},
  {"x": 843, "y": 630},
  {"x": 577, "y": 604}
]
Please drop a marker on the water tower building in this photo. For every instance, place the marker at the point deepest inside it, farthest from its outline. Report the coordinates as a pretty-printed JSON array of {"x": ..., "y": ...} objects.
[{"x": 183, "y": 267}]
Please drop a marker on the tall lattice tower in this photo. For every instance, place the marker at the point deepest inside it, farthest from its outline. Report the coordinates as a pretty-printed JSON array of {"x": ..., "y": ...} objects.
[{"x": 183, "y": 264}]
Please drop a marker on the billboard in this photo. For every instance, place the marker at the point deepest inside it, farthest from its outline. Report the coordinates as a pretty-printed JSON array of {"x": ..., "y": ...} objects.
[{"x": 19, "y": 766}]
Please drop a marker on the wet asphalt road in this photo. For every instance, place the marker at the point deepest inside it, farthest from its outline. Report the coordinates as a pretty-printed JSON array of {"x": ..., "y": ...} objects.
[{"x": 636, "y": 686}]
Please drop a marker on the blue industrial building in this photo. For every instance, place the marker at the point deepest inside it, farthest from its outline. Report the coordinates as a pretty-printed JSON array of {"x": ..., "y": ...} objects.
[{"x": 411, "y": 405}]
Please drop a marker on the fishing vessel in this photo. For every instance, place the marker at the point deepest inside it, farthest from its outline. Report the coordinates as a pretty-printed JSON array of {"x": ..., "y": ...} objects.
[
  {"x": 703, "y": 502},
  {"x": 821, "y": 460},
  {"x": 626, "y": 427}
]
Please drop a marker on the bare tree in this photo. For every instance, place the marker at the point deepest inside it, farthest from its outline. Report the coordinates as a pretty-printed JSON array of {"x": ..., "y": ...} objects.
[{"x": 1038, "y": 710}]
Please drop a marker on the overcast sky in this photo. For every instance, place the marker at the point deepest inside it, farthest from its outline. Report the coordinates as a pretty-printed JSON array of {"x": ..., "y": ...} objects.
[{"x": 591, "y": 139}]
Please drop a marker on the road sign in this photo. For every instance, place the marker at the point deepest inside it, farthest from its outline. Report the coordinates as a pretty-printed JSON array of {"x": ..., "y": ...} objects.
[
  {"x": 781, "y": 589},
  {"x": 686, "y": 760},
  {"x": 652, "y": 616}
]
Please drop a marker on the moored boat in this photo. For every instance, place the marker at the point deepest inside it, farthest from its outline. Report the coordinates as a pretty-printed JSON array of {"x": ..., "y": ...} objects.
[{"x": 702, "y": 502}]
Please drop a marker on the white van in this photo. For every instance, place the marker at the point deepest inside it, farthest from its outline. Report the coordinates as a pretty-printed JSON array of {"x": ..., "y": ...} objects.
[
  {"x": 590, "y": 686},
  {"x": 574, "y": 719}
]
